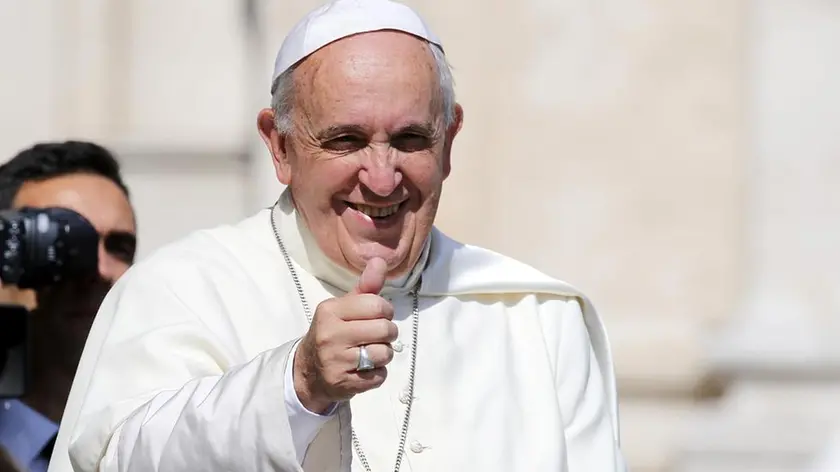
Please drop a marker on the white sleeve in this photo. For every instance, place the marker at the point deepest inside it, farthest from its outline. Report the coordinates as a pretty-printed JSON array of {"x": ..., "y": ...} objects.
[
  {"x": 304, "y": 423},
  {"x": 165, "y": 385}
]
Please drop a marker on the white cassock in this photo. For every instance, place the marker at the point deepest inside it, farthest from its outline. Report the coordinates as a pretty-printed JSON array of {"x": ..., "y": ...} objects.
[{"x": 185, "y": 367}]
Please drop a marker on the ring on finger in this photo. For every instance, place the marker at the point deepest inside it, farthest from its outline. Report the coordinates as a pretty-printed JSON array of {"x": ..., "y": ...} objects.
[{"x": 365, "y": 363}]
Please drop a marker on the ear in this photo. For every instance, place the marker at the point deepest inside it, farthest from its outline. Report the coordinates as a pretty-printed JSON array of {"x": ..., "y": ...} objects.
[
  {"x": 276, "y": 144},
  {"x": 451, "y": 132}
]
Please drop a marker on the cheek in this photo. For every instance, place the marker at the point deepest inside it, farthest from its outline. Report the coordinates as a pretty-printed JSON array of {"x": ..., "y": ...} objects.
[
  {"x": 111, "y": 268},
  {"x": 331, "y": 177},
  {"x": 424, "y": 174}
]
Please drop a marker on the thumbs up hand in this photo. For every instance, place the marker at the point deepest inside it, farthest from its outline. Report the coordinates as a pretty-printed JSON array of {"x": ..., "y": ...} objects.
[
  {"x": 372, "y": 279},
  {"x": 327, "y": 359}
]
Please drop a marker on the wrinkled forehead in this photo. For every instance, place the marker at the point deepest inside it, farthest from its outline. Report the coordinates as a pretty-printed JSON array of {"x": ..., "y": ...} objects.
[{"x": 382, "y": 77}]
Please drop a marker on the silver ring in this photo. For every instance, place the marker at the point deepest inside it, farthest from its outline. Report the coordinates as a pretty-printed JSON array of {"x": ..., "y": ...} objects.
[{"x": 365, "y": 363}]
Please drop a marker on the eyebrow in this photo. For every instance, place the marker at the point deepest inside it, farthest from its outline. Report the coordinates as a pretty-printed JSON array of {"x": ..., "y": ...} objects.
[
  {"x": 426, "y": 129},
  {"x": 333, "y": 131},
  {"x": 336, "y": 130}
]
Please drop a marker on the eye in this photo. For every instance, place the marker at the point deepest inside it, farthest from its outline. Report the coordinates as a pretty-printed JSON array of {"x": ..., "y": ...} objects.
[
  {"x": 411, "y": 142},
  {"x": 345, "y": 143},
  {"x": 121, "y": 245}
]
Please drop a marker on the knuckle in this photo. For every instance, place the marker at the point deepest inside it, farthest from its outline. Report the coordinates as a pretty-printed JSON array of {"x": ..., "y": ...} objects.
[
  {"x": 385, "y": 308},
  {"x": 324, "y": 308},
  {"x": 321, "y": 338},
  {"x": 375, "y": 304},
  {"x": 332, "y": 311},
  {"x": 367, "y": 297},
  {"x": 393, "y": 331},
  {"x": 384, "y": 328},
  {"x": 368, "y": 305},
  {"x": 355, "y": 307}
]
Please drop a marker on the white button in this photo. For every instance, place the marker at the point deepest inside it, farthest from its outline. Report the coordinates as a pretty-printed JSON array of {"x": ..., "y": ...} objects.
[
  {"x": 405, "y": 398},
  {"x": 398, "y": 346},
  {"x": 416, "y": 447},
  {"x": 7, "y": 405}
]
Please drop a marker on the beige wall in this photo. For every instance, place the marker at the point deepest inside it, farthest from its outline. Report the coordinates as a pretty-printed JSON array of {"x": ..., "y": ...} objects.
[{"x": 780, "y": 348}]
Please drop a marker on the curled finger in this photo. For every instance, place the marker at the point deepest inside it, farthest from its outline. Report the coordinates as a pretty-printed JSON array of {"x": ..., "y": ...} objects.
[{"x": 361, "y": 332}]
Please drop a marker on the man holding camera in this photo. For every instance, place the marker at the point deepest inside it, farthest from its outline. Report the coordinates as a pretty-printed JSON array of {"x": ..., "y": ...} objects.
[{"x": 85, "y": 178}]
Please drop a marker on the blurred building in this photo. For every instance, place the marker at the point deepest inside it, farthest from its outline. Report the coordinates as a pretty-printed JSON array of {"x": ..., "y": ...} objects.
[{"x": 678, "y": 161}]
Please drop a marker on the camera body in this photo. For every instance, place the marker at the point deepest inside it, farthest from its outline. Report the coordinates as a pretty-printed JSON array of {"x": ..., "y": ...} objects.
[{"x": 38, "y": 248}]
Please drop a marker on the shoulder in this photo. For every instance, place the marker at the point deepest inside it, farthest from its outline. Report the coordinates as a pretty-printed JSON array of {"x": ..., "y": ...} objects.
[
  {"x": 222, "y": 249},
  {"x": 463, "y": 270},
  {"x": 569, "y": 320},
  {"x": 202, "y": 276},
  {"x": 201, "y": 271},
  {"x": 456, "y": 268}
]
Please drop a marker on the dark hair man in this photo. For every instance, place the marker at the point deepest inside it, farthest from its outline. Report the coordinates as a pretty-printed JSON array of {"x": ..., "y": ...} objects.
[{"x": 83, "y": 177}]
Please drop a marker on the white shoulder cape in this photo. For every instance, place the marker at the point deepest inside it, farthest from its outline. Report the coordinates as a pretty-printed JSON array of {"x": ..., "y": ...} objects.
[{"x": 457, "y": 269}]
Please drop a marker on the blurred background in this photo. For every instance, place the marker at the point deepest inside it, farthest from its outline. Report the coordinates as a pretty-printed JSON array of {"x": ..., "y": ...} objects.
[{"x": 678, "y": 161}]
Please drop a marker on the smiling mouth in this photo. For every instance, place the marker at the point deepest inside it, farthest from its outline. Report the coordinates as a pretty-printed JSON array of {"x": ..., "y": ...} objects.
[{"x": 376, "y": 213}]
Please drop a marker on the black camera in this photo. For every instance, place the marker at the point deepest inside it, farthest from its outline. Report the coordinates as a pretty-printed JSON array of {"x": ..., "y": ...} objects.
[
  {"x": 38, "y": 248},
  {"x": 41, "y": 247}
]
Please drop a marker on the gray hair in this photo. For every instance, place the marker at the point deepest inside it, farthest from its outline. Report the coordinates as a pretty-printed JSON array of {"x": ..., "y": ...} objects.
[{"x": 282, "y": 93}]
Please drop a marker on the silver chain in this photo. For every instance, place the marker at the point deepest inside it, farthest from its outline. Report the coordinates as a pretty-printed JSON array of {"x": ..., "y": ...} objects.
[{"x": 415, "y": 311}]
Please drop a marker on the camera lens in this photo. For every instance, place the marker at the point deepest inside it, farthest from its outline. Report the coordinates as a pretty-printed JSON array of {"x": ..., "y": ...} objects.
[{"x": 42, "y": 247}]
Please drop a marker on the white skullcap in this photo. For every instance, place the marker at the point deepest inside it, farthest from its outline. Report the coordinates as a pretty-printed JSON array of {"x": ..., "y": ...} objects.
[{"x": 341, "y": 18}]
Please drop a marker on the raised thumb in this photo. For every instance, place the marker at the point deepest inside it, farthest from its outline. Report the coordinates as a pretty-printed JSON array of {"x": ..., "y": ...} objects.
[{"x": 373, "y": 277}]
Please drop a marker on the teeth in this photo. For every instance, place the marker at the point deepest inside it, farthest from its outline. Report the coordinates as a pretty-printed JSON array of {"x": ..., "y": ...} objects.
[{"x": 377, "y": 212}]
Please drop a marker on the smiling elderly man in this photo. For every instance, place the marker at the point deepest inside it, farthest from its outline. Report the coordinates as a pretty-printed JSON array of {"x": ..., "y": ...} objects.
[{"x": 339, "y": 330}]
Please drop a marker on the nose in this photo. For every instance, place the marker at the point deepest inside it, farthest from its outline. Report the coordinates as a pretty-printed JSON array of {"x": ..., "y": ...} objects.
[
  {"x": 110, "y": 268},
  {"x": 380, "y": 175}
]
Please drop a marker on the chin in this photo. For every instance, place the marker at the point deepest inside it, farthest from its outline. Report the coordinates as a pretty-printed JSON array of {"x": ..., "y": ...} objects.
[
  {"x": 399, "y": 259},
  {"x": 391, "y": 237},
  {"x": 364, "y": 252}
]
